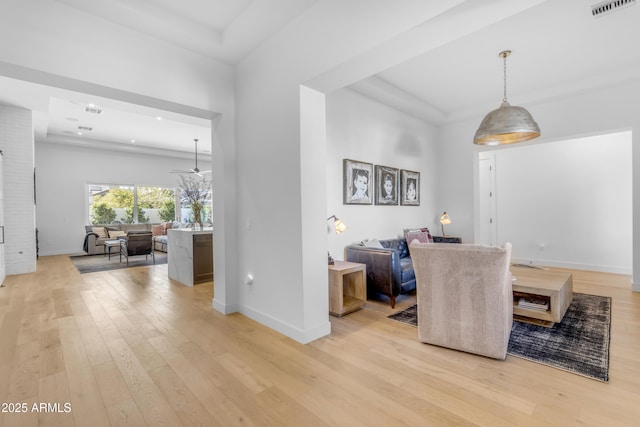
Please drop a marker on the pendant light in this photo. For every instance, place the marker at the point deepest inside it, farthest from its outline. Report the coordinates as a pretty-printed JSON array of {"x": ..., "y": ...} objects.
[{"x": 507, "y": 124}]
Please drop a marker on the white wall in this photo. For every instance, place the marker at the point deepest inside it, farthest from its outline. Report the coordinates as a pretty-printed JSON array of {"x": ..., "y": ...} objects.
[
  {"x": 568, "y": 203},
  {"x": 16, "y": 141},
  {"x": 276, "y": 213},
  {"x": 62, "y": 174},
  {"x": 50, "y": 36},
  {"x": 66, "y": 48},
  {"x": 600, "y": 111},
  {"x": 3, "y": 264},
  {"x": 267, "y": 177},
  {"x": 364, "y": 130},
  {"x": 261, "y": 214}
]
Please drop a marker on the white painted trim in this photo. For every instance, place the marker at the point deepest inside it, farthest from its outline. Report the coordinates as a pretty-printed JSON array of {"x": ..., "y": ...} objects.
[
  {"x": 572, "y": 265},
  {"x": 224, "y": 309},
  {"x": 302, "y": 336}
]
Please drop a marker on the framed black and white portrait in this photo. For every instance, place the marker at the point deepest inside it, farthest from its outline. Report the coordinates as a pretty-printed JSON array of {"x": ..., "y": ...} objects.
[
  {"x": 409, "y": 188},
  {"x": 358, "y": 182},
  {"x": 386, "y": 185}
]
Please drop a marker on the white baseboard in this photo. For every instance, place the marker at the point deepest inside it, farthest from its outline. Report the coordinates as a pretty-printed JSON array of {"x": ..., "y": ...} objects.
[
  {"x": 224, "y": 309},
  {"x": 572, "y": 265},
  {"x": 61, "y": 252},
  {"x": 301, "y": 336}
]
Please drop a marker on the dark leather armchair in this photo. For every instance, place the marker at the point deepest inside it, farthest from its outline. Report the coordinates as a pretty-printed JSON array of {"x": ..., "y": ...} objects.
[
  {"x": 389, "y": 269},
  {"x": 137, "y": 243}
]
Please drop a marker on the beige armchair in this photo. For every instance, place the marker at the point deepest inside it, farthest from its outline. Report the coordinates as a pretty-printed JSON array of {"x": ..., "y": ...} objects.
[{"x": 464, "y": 296}]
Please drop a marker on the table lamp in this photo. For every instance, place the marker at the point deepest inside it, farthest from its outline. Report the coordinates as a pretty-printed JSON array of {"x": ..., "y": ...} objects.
[
  {"x": 339, "y": 227},
  {"x": 444, "y": 219},
  {"x": 338, "y": 224}
]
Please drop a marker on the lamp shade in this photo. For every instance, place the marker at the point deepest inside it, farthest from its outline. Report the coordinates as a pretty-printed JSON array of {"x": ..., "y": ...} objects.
[
  {"x": 338, "y": 225},
  {"x": 444, "y": 218},
  {"x": 506, "y": 125}
]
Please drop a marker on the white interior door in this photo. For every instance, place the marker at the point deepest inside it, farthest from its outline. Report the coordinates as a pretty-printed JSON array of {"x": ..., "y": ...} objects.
[{"x": 487, "y": 232}]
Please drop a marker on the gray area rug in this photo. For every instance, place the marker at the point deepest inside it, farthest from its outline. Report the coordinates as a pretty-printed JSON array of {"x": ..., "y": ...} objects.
[
  {"x": 579, "y": 344},
  {"x": 94, "y": 263}
]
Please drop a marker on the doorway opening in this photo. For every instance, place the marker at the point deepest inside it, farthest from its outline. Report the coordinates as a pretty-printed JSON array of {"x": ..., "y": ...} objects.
[{"x": 564, "y": 203}]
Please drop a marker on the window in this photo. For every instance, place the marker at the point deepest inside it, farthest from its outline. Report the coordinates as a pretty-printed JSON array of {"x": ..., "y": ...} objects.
[
  {"x": 120, "y": 203},
  {"x": 195, "y": 199},
  {"x": 156, "y": 204},
  {"x": 187, "y": 215}
]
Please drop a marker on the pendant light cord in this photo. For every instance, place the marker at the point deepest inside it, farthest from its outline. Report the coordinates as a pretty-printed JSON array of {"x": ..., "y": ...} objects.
[
  {"x": 504, "y": 59},
  {"x": 196, "y": 141}
]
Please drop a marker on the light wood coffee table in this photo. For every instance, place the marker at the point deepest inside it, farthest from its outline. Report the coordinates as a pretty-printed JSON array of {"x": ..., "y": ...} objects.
[{"x": 554, "y": 287}]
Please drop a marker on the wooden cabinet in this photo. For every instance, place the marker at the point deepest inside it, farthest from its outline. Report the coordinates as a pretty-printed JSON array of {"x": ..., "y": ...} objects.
[
  {"x": 347, "y": 287},
  {"x": 190, "y": 256},
  {"x": 202, "y": 258}
]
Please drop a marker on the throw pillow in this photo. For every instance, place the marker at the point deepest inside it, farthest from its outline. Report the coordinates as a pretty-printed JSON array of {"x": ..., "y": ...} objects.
[
  {"x": 166, "y": 227},
  {"x": 116, "y": 234},
  {"x": 429, "y": 236},
  {"x": 100, "y": 231},
  {"x": 157, "y": 230},
  {"x": 373, "y": 243},
  {"x": 421, "y": 234}
]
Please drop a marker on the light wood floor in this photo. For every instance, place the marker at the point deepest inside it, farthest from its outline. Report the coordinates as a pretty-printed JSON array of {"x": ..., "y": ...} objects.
[{"x": 128, "y": 347}]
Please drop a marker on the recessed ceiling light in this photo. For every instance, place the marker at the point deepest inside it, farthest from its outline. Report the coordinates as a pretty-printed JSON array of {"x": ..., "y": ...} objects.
[
  {"x": 91, "y": 108},
  {"x": 79, "y": 133},
  {"x": 158, "y": 118},
  {"x": 133, "y": 141}
]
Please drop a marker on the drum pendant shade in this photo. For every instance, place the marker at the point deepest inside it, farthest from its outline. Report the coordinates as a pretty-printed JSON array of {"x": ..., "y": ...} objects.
[{"x": 507, "y": 124}]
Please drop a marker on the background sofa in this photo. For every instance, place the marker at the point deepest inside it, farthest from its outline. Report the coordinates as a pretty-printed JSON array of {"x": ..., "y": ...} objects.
[
  {"x": 159, "y": 232},
  {"x": 389, "y": 267},
  {"x": 97, "y": 234}
]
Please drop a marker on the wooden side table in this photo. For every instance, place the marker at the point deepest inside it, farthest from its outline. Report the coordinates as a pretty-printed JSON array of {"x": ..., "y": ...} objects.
[
  {"x": 108, "y": 244},
  {"x": 347, "y": 287}
]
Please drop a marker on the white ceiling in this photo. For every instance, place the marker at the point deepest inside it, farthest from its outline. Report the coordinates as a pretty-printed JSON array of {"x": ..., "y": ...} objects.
[
  {"x": 558, "y": 48},
  {"x": 225, "y": 30},
  {"x": 58, "y": 116}
]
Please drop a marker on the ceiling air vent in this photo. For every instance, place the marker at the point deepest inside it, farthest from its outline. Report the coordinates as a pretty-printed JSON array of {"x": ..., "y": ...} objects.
[
  {"x": 93, "y": 110},
  {"x": 606, "y": 7},
  {"x": 85, "y": 128}
]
